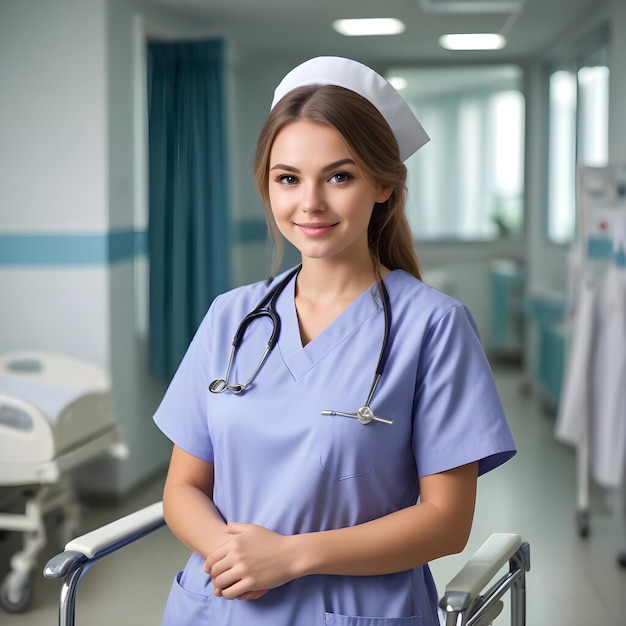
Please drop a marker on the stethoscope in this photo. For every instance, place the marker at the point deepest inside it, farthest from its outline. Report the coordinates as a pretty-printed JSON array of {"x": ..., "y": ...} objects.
[{"x": 266, "y": 308}]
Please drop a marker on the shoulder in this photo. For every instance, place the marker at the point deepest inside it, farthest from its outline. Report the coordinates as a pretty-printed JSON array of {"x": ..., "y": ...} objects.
[
  {"x": 420, "y": 308},
  {"x": 408, "y": 293}
]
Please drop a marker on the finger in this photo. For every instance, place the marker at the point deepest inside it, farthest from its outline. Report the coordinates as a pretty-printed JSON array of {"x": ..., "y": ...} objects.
[
  {"x": 226, "y": 579},
  {"x": 217, "y": 555},
  {"x": 219, "y": 570},
  {"x": 252, "y": 595},
  {"x": 236, "y": 589},
  {"x": 209, "y": 564}
]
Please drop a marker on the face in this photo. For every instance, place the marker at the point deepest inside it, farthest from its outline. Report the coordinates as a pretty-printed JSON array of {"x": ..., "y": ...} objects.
[{"x": 320, "y": 199}]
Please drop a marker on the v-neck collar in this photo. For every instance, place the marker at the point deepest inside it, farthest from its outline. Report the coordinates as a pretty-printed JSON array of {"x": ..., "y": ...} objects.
[{"x": 300, "y": 359}]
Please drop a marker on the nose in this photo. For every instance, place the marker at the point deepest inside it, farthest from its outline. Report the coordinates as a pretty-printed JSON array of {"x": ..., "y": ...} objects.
[{"x": 312, "y": 198}]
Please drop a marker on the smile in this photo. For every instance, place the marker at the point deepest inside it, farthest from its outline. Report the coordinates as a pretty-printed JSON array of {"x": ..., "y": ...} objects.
[{"x": 315, "y": 230}]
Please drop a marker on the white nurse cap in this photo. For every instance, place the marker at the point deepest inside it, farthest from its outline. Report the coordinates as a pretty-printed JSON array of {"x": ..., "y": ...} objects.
[{"x": 365, "y": 81}]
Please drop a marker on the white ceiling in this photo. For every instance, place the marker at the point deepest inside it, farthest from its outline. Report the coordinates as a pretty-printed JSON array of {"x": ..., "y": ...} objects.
[{"x": 303, "y": 27}]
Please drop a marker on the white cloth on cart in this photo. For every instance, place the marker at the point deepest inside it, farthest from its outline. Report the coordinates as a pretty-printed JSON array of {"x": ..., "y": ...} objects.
[
  {"x": 575, "y": 402},
  {"x": 608, "y": 425},
  {"x": 592, "y": 407}
]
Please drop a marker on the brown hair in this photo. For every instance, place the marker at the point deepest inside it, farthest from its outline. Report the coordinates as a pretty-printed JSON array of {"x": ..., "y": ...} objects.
[{"x": 374, "y": 148}]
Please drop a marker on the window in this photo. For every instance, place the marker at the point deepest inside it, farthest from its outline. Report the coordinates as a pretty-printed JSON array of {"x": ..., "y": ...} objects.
[
  {"x": 578, "y": 135},
  {"x": 467, "y": 183},
  {"x": 562, "y": 156}
]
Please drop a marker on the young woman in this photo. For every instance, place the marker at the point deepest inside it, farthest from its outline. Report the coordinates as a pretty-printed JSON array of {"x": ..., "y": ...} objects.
[{"x": 316, "y": 480}]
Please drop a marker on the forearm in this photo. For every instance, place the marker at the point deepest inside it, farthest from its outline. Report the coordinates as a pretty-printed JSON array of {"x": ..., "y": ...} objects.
[
  {"x": 187, "y": 503},
  {"x": 437, "y": 526},
  {"x": 257, "y": 559},
  {"x": 192, "y": 517},
  {"x": 393, "y": 543}
]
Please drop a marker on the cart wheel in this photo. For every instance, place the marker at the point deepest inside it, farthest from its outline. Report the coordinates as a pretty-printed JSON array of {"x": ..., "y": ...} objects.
[
  {"x": 582, "y": 520},
  {"x": 15, "y": 595}
]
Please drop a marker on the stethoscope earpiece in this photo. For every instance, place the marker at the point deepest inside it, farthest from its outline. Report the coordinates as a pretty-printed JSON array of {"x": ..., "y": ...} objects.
[{"x": 218, "y": 385}]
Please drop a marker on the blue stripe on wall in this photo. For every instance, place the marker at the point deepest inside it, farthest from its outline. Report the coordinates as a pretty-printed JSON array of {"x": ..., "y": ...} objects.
[
  {"x": 71, "y": 249},
  {"x": 23, "y": 250}
]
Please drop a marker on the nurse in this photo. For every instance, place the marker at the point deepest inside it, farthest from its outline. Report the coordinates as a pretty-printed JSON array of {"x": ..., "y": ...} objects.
[{"x": 299, "y": 510}]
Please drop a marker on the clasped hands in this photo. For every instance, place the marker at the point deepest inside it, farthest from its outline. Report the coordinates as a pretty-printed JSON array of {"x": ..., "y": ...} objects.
[{"x": 251, "y": 561}]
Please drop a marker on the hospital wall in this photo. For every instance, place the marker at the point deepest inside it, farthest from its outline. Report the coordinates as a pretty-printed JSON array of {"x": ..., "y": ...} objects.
[
  {"x": 73, "y": 202},
  {"x": 546, "y": 262},
  {"x": 73, "y": 210},
  {"x": 617, "y": 86},
  {"x": 70, "y": 247}
]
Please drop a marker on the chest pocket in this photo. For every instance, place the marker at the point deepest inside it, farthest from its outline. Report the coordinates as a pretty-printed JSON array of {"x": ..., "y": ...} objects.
[{"x": 347, "y": 448}]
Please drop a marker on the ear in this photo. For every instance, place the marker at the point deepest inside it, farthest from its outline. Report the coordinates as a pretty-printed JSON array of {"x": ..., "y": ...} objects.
[{"x": 383, "y": 194}]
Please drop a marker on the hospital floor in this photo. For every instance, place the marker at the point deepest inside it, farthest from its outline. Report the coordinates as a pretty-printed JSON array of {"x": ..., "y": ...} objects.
[{"x": 572, "y": 581}]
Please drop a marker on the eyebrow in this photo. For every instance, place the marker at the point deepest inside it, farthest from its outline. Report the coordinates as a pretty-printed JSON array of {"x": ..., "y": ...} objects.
[{"x": 327, "y": 168}]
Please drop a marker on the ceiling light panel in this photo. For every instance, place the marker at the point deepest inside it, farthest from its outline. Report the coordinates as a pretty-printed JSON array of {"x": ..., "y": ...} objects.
[
  {"x": 472, "y": 41},
  {"x": 369, "y": 26},
  {"x": 471, "y": 6}
]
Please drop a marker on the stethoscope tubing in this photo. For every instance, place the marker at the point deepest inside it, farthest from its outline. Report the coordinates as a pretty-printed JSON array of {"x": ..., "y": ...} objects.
[
  {"x": 384, "y": 348},
  {"x": 266, "y": 308}
]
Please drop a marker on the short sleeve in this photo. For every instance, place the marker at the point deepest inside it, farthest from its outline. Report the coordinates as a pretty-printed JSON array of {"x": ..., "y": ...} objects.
[
  {"x": 182, "y": 414},
  {"x": 458, "y": 416}
]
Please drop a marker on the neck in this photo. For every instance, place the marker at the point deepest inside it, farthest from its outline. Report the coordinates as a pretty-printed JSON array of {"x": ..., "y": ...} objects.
[{"x": 319, "y": 278}]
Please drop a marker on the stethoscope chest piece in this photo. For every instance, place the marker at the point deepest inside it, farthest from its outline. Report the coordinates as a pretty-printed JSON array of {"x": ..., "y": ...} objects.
[{"x": 365, "y": 415}]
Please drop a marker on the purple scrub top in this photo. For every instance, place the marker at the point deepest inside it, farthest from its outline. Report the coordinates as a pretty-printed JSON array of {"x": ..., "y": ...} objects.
[{"x": 281, "y": 464}]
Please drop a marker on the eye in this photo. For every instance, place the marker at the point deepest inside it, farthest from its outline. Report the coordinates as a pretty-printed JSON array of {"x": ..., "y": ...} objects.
[
  {"x": 286, "y": 179},
  {"x": 340, "y": 177}
]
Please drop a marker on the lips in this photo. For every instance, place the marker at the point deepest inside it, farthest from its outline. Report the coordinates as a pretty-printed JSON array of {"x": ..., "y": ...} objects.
[{"x": 315, "y": 230}]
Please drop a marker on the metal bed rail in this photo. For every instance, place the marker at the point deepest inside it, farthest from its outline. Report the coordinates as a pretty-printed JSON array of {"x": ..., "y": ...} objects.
[
  {"x": 464, "y": 603},
  {"x": 81, "y": 553}
]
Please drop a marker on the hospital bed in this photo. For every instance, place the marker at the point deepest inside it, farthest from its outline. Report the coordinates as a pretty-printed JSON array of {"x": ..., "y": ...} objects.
[
  {"x": 55, "y": 415},
  {"x": 472, "y": 598}
]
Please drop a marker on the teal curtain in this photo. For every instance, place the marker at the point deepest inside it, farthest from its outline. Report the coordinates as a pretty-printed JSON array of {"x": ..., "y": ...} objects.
[{"x": 188, "y": 231}]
